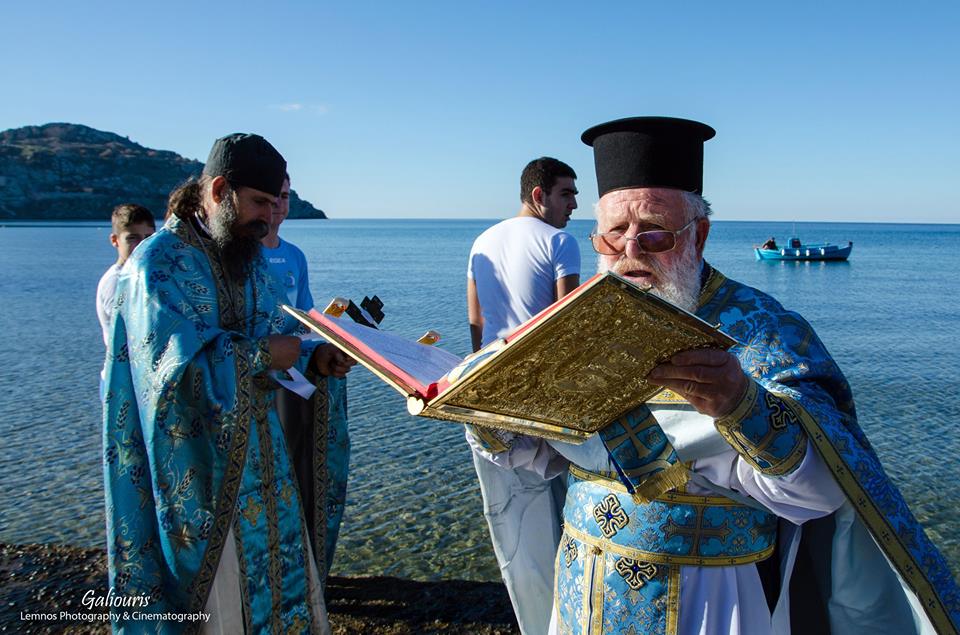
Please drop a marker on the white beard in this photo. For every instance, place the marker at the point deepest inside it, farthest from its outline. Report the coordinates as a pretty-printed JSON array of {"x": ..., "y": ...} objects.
[{"x": 679, "y": 284}]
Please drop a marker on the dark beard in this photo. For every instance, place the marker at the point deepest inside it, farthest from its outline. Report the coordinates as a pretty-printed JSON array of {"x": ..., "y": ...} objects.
[{"x": 239, "y": 245}]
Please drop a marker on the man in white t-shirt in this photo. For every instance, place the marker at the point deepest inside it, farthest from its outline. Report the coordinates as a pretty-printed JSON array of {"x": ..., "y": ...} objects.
[{"x": 517, "y": 268}]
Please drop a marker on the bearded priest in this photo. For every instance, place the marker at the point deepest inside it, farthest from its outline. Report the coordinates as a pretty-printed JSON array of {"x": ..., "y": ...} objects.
[
  {"x": 204, "y": 509},
  {"x": 774, "y": 496}
]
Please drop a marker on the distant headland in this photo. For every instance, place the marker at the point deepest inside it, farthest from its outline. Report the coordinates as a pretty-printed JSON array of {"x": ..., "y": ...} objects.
[{"x": 65, "y": 171}]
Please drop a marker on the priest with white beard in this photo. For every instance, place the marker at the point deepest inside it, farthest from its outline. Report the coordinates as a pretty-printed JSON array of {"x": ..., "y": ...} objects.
[{"x": 764, "y": 437}]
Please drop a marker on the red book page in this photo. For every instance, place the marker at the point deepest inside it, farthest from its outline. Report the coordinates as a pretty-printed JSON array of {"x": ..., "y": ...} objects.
[{"x": 416, "y": 366}]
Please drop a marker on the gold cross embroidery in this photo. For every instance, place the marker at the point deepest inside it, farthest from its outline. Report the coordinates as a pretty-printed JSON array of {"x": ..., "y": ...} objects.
[
  {"x": 570, "y": 551},
  {"x": 632, "y": 434},
  {"x": 636, "y": 573},
  {"x": 610, "y": 516},
  {"x": 780, "y": 413},
  {"x": 697, "y": 531}
]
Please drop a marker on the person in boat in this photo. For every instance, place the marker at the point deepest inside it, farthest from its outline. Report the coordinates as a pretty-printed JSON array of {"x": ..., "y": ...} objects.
[
  {"x": 517, "y": 268},
  {"x": 202, "y": 503},
  {"x": 770, "y": 244},
  {"x": 747, "y": 488}
]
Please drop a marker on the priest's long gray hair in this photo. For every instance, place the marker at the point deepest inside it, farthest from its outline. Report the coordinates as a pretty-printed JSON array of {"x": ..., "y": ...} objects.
[{"x": 695, "y": 206}]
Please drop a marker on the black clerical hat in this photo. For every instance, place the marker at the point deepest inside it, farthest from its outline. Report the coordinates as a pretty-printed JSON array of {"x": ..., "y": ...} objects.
[
  {"x": 247, "y": 160},
  {"x": 649, "y": 152}
]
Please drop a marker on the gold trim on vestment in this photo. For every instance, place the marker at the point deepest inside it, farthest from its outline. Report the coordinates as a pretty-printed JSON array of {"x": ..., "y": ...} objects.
[
  {"x": 669, "y": 497},
  {"x": 715, "y": 280},
  {"x": 596, "y": 596},
  {"x": 661, "y": 482},
  {"x": 729, "y": 428},
  {"x": 743, "y": 407},
  {"x": 673, "y": 600},
  {"x": 661, "y": 558},
  {"x": 247, "y": 606},
  {"x": 321, "y": 475},
  {"x": 268, "y": 476},
  {"x": 885, "y": 535},
  {"x": 589, "y": 561},
  {"x": 556, "y": 588},
  {"x": 226, "y": 500}
]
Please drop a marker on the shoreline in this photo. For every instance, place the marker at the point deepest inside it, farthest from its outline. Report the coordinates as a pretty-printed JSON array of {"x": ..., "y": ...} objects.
[{"x": 50, "y": 578}]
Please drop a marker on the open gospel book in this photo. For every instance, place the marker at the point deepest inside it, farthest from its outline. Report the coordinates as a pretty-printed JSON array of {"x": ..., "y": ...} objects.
[{"x": 564, "y": 374}]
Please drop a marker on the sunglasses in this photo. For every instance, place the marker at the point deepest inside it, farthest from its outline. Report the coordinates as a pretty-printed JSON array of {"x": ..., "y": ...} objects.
[{"x": 651, "y": 242}]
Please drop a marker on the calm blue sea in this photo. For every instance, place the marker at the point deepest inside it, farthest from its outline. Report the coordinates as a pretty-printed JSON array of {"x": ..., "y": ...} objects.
[{"x": 889, "y": 316}]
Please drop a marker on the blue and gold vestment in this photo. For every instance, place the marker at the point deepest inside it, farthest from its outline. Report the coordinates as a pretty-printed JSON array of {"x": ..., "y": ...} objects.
[
  {"x": 338, "y": 464},
  {"x": 288, "y": 266},
  {"x": 193, "y": 447},
  {"x": 627, "y": 532}
]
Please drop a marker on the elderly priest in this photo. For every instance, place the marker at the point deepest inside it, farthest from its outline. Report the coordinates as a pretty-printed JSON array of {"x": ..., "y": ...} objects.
[
  {"x": 762, "y": 491},
  {"x": 204, "y": 508}
]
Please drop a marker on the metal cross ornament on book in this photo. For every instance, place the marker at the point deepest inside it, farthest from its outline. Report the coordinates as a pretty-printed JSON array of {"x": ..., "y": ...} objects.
[
  {"x": 369, "y": 313},
  {"x": 374, "y": 308}
]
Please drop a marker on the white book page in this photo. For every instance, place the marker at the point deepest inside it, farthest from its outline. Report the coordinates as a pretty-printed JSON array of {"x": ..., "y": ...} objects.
[{"x": 426, "y": 364}]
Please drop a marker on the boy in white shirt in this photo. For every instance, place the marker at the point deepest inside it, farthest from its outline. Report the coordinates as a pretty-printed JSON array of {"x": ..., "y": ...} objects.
[{"x": 130, "y": 225}]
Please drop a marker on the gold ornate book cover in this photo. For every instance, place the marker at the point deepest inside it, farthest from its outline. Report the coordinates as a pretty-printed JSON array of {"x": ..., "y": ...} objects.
[{"x": 565, "y": 373}]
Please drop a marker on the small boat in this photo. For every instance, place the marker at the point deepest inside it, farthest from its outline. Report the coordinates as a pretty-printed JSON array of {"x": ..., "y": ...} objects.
[{"x": 795, "y": 250}]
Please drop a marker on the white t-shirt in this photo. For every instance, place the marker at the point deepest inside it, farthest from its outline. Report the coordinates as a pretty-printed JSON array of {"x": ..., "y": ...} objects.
[
  {"x": 515, "y": 265},
  {"x": 106, "y": 289}
]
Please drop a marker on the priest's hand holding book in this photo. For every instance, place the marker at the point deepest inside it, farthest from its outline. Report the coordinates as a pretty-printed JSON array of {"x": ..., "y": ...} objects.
[
  {"x": 284, "y": 351},
  {"x": 331, "y": 361},
  {"x": 327, "y": 359},
  {"x": 710, "y": 379}
]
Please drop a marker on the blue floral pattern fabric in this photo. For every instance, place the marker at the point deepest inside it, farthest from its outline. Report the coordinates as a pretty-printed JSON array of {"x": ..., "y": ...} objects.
[
  {"x": 618, "y": 565},
  {"x": 679, "y": 528},
  {"x": 192, "y": 443},
  {"x": 798, "y": 392}
]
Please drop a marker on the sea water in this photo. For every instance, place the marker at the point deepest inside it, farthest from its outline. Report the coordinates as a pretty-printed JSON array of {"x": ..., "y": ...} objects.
[{"x": 888, "y": 316}]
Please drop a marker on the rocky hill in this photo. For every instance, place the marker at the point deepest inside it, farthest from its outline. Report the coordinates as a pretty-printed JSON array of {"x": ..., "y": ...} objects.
[{"x": 69, "y": 171}]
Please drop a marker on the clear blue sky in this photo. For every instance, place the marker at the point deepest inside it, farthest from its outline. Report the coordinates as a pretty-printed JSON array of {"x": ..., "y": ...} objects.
[{"x": 823, "y": 110}]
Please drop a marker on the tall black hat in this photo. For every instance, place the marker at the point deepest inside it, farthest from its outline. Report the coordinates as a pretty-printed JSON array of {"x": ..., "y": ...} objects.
[
  {"x": 649, "y": 152},
  {"x": 247, "y": 160}
]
